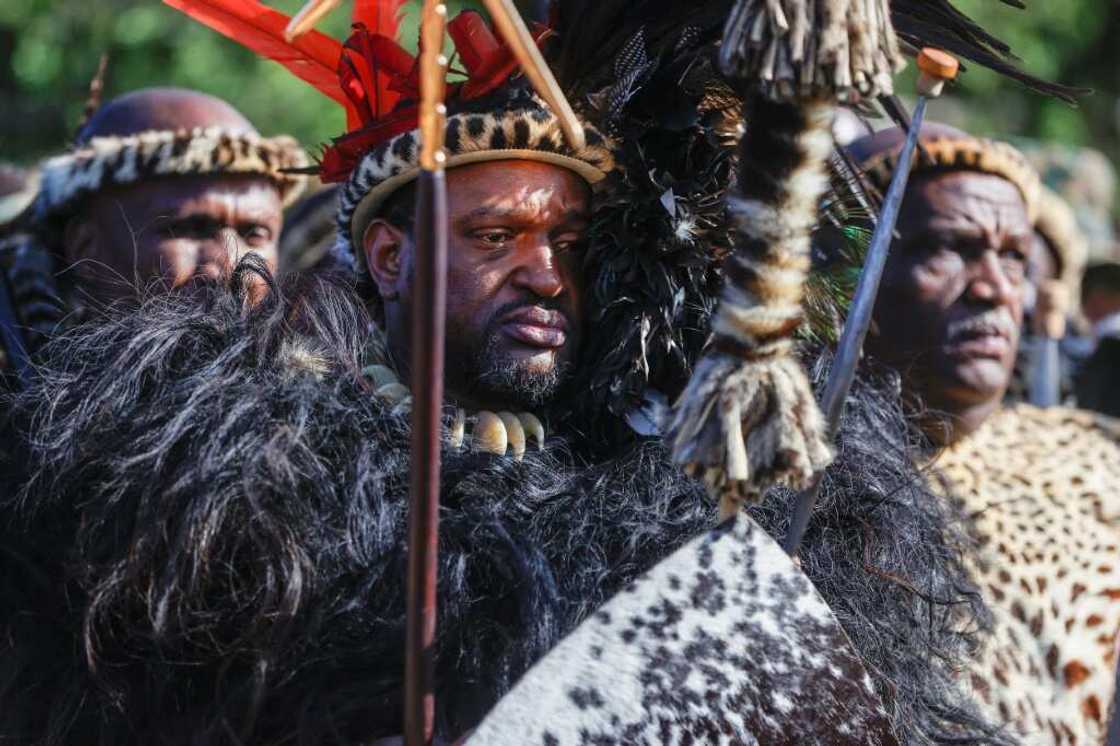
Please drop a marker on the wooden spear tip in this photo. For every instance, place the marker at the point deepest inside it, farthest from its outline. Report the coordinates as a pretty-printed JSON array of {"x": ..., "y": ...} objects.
[
  {"x": 938, "y": 64},
  {"x": 309, "y": 15}
]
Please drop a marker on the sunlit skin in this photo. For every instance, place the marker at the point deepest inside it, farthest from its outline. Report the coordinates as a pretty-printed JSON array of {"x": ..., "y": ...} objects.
[
  {"x": 514, "y": 282},
  {"x": 164, "y": 232},
  {"x": 950, "y": 308}
]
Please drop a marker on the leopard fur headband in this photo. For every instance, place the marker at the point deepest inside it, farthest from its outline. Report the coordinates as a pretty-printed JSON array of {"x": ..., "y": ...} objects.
[
  {"x": 967, "y": 153},
  {"x": 527, "y": 131},
  {"x": 103, "y": 162}
]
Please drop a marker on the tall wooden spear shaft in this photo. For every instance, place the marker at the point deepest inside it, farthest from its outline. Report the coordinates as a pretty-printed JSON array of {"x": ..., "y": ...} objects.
[{"x": 427, "y": 383}]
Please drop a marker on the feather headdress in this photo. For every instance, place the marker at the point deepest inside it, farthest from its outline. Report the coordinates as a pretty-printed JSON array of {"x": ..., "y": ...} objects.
[{"x": 376, "y": 80}]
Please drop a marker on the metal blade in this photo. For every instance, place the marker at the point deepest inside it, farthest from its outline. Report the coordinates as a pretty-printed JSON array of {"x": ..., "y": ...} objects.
[{"x": 1046, "y": 375}]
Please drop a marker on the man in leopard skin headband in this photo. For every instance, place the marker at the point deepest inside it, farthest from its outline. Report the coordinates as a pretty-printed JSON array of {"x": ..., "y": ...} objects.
[
  {"x": 1040, "y": 485},
  {"x": 161, "y": 185}
]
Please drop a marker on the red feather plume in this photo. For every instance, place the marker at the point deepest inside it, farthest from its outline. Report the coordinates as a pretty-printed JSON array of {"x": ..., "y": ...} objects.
[
  {"x": 369, "y": 74},
  {"x": 313, "y": 57},
  {"x": 381, "y": 18}
]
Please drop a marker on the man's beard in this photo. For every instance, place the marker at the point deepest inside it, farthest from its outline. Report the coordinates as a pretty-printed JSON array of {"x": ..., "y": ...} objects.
[{"x": 517, "y": 382}]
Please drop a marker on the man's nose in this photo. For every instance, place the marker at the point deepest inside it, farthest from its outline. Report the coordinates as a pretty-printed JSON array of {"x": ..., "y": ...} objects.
[
  {"x": 218, "y": 255},
  {"x": 989, "y": 282},
  {"x": 538, "y": 271}
]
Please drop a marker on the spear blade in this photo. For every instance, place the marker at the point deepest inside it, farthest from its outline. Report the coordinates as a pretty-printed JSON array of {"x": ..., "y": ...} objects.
[{"x": 1045, "y": 390}]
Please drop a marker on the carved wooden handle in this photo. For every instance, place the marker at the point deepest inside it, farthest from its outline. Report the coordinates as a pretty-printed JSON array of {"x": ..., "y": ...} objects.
[
  {"x": 308, "y": 16},
  {"x": 935, "y": 68}
]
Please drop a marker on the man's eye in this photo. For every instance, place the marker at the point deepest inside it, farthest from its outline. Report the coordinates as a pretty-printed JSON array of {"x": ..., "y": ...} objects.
[
  {"x": 1014, "y": 264},
  {"x": 1014, "y": 261},
  {"x": 494, "y": 237},
  {"x": 565, "y": 246},
  {"x": 190, "y": 227},
  {"x": 256, "y": 235},
  {"x": 1014, "y": 255}
]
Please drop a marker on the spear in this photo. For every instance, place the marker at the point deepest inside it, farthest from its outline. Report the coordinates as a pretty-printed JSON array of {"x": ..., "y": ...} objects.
[
  {"x": 936, "y": 67},
  {"x": 427, "y": 383}
]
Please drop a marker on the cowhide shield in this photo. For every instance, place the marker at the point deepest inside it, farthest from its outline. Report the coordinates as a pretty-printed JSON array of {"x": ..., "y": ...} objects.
[{"x": 724, "y": 642}]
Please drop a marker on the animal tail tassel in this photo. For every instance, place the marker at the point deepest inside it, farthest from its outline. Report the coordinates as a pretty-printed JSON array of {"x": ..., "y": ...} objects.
[{"x": 748, "y": 419}]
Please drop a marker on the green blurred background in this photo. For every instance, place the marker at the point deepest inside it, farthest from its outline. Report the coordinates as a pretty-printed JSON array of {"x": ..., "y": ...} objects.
[{"x": 49, "y": 49}]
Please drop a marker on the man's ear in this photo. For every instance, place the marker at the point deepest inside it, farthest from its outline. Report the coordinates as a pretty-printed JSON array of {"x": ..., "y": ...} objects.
[{"x": 383, "y": 245}]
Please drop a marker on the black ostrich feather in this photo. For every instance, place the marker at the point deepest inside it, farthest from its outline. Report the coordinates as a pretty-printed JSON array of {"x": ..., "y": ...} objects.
[
  {"x": 937, "y": 23},
  {"x": 644, "y": 72}
]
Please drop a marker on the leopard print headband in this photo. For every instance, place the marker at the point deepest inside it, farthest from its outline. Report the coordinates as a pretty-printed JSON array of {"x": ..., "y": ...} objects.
[
  {"x": 102, "y": 162},
  {"x": 528, "y": 131},
  {"x": 1058, "y": 225},
  {"x": 965, "y": 153}
]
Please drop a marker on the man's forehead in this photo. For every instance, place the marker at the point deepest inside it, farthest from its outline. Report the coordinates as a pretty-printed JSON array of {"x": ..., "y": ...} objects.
[
  {"x": 515, "y": 186},
  {"x": 964, "y": 199},
  {"x": 527, "y": 201},
  {"x": 954, "y": 189},
  {"x": 198, "y": 193}
]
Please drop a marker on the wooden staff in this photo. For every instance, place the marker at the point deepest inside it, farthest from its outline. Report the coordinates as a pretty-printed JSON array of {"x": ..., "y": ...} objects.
[
  {"x": 309, "y": 15},
  {"x": 427, "y": 383}
]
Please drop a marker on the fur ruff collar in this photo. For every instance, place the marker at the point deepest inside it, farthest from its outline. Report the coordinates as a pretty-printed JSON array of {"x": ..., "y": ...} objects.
[{"x": 211, "y": 533}]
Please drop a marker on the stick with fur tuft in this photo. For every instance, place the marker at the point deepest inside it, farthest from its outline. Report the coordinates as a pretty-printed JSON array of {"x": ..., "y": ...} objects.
[{"x": 747, "y": 419}]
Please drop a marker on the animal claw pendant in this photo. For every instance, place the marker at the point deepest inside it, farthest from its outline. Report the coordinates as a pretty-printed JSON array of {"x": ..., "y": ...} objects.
[{"x": 499, "y": 433}]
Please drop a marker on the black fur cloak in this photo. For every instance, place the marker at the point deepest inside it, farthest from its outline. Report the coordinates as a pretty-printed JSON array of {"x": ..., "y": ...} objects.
[{"x": 206, "y": 544}]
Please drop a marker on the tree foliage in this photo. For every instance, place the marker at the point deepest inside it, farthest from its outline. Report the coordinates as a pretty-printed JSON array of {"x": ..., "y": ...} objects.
[
  {"x": 49, "y": 50},
  {"x": 1072, "y": 42}
]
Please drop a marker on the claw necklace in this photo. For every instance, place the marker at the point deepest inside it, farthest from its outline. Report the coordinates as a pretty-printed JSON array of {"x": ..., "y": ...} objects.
[{"x": 490, "y": 432}]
